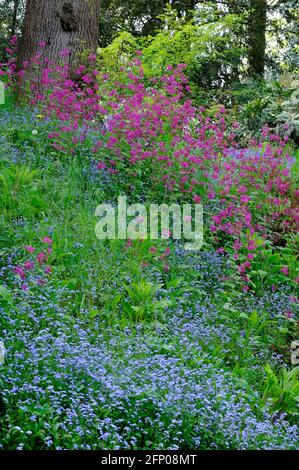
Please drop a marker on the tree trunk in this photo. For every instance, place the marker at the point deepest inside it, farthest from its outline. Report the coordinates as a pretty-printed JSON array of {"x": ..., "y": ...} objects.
[
  {"x": 257, "y": 37},
  {"x": 14, "y": 17},
  {"x": 61, "y": 26}
]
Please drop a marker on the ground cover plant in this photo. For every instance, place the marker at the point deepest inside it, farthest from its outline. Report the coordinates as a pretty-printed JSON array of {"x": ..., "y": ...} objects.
[{"x": 139, "y": 343}]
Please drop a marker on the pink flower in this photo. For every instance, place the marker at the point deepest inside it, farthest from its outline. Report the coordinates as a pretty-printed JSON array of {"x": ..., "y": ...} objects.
[
  {"x": 101, "y": 166},
  {"x": 29, "y": 265},
  {"x": 47, "y": 240},
  {"x": 285, "y": 270},
  {"x": 18, "y": 270},
  {"x": 24, "y": 287},
  {"x": 244, "y": 198},
  {"x": 30, "y": 249},
  {"x": 289, "y": 314},
  {"x": 48, "y": 269},
  {"x": 41, "y": 258},
  {"x": 13, "y": 40},
  {"x": 242, "y": 189},
  {"x": 237, "y": 245},
  {"x": 87, "y": 79}
]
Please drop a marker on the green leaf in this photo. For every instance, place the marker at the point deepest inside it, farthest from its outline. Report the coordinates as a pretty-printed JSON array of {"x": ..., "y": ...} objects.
[
  {"x": 5, "y": 294},
  {"x": 262, "y": 273},
  {"x": 243, "y": 315}
]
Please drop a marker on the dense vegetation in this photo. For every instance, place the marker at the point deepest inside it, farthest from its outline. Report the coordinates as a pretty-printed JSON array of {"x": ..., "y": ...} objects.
[{"x": 140, "y": 344}]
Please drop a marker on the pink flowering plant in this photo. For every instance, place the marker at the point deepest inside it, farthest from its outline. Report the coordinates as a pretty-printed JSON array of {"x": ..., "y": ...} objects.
[
  {"x": 151, "y": 140},
  {"x": 35, "y": 267},
  {"x": 8, "y": 69},
  {"x": 157, "y": 141}
]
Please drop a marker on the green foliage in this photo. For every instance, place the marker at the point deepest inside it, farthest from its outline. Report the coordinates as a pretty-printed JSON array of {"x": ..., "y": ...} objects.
[
  {"x": 141, "y": 304},
  {"x": 21, "y": 192},
  {"x": 255, "y": 325},
  {"x": 268, "y": 265},
  {"x": 258, "y": 103},
  {"x": 5, "y": 294},
  {"x": 182, "y": 41},
  {"x": 139, "y": 18},
  {"x": 282, "y": 391},
  {"x": 288, "y": 119},
  {"x": 11, "y": 19},
  {"x": 143, "y": 19},
  {"x": 274, "y": 103},
  {"x": 118, "y": 54}
]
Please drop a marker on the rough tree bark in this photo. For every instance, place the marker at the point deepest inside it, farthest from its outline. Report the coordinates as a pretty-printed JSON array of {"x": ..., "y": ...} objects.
[
  {"x": 257, "y": 37},
  {"x": 62, "y": 25}
]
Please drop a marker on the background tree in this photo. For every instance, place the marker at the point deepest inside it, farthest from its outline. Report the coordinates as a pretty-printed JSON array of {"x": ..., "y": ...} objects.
[
  {"x": 265, "y": 22},
  {"x": 283, "y": 29},
  {"x": 257, "y": 37},
  {"x": 138, "y": 17},
  {"x": 15, "y": 10},
  {"x": 61, "y": 25},
  {"x": 270, "y": 33},
  {"x": 11, "y": 20},
  {"x": 269, "y": 37}
]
